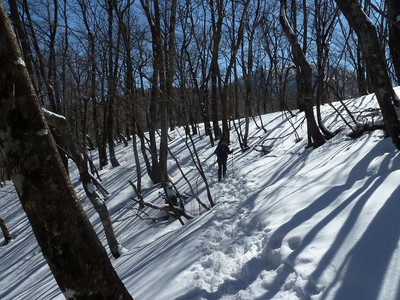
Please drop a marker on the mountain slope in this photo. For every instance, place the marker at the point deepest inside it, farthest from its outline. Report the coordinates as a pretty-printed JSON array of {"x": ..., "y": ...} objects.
[{"x": 295, "y": 223}]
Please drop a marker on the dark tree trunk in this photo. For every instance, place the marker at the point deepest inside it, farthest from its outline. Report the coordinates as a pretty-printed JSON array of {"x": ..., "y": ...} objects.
[
  {"x": 376, "y": 65},
  {"x": 43, "y": 79},
  {"x": 74, "y": 253},
  {"x": 159, "y": 163},
  {"x": 23, "y": 38},
  {"x": 235, "y": 48},
  {"x": 129, "y": 88},
  {"x": 217, "y": 16},
  {"x": 394, "y": 34},
  {"x": 61, "y": 126},
  {"x": 112, "y": 72},
  {"x": 304, "y": 82},
  {"x": 361, "y": 74},
  {"x": 325, "y": 19}
]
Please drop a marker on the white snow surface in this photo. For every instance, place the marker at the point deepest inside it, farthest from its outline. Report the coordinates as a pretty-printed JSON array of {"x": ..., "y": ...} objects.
[{"x": 296, "y": 223}]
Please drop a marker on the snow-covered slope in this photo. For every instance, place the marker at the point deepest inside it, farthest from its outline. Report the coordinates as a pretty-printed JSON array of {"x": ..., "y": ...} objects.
[{"x": 296, "y": 223}]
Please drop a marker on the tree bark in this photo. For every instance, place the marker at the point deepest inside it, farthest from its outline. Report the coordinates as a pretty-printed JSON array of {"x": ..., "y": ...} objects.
[
  {"x": 74, "y": 253},
  {"x": 43, "y": 79},
  {"x": 234, "y": 51},
  {"x": 61, "y": 126},
  {"x": 394, "y": 34},
  {"x": 112, "y": 71},
  {"x": 157, "y": 97},
  {"x": 376, "y": 65},
  {"x": 23, "y": 38},
  {"x": 304, "y": 82},
  {"x": 214, "y": 69}
]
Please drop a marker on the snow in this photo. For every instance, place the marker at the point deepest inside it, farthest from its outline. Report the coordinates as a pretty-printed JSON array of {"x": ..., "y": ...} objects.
[
  {"x": 295, "y": 223},
  {"x": 122, "y": 250},
  {"x": 20, "y": 62},
  {"x": 42, "y": 132},
  {"x": 69, "y": 293},
  {"x": 90, "y": 188},
  {"x": 50, "y": 113}
]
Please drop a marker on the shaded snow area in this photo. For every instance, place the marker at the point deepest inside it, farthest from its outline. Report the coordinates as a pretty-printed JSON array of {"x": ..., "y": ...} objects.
[{"x": 295, "y": 223}]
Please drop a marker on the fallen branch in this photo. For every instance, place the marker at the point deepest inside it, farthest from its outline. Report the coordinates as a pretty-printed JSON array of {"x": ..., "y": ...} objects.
[{"x": 172, "y": 211}]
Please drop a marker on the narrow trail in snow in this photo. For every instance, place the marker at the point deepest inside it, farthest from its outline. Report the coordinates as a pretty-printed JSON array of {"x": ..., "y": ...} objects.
[
  {"x": 235, "y": 251},
  {"x": 230, "y": 245}
]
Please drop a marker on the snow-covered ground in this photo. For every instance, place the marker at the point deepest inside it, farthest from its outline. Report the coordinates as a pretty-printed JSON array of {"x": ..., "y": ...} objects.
[{"x": 296, "y": 223}]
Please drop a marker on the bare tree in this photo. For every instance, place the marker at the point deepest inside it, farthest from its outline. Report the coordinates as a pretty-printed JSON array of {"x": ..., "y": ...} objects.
[
  {"x": 393, "y": 7},
  {"x": 376, "y": 64},
  {"x": 303, "y": 80},
  {"x": 112, "y": 84},
  {"x": 22, "y": 35},
  {"x": 247, "y": 69},
  {"x": 74, "y": 253},
  {"x": 217, "y": 8},
  {"x": 324, "y": 23},
  {"x": 199, "y": 33},
  {"x": 158, "y": 97},
  {"x": 236, "y": 41},
  {"x": 62, "y": 127},
  {"x": 85, "y": 7}
]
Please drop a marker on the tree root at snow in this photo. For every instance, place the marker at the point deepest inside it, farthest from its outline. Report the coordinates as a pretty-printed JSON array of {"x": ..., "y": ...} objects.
[
  {"x": 364, "y": 124},
  {"x": 169, "y": 209}
]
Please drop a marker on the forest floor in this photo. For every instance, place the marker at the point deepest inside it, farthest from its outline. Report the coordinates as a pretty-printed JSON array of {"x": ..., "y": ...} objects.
[{"x": 295, "y": 223}]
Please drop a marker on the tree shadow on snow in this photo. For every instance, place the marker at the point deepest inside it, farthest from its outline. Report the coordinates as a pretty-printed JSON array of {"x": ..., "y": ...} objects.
[
  {"x": 362, "y": 273},
  {"x": 270, "y": 261},
  {"x": 362, "y": 195},
  {"x": 357, "y": 173}
]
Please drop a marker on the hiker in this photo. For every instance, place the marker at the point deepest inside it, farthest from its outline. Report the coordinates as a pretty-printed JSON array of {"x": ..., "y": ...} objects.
[{"x": 222, "y": 152}]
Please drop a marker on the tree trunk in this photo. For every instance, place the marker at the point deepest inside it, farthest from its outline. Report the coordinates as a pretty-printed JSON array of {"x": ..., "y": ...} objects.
[
  {"x": 376, "y": 65},
  {"x": 43, "y": 79},
  {"x": 394, "y": 34},
  {"x": 60, "y": 124},
  {"x": 324, "y": 25},
  {"x": 101, "y": 146},
  {"x": 112, "y": 71},
  {"x": 361, "y": 76},
  {"x": 234, "y": 51},
  {"x": 23, "y": 38},
  {"x": 214, "y": 69},
  {"x": 74, "y": 253},
  {"x": 159, "y": 166},
  {"x": 124, "y": 28},
  {"x": 304, "y": 82}
]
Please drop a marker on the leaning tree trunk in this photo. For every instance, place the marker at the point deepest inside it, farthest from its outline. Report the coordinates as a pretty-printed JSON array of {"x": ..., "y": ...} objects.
[
  {"x": 303, "y": 80},
  {"x": 61, "y": 126},
  {"x": 376, "y": 65},
  {"x": 22, "y": 36},
  {"x": 74, "y": 253},
  {"x": 394, "y": 34}
]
